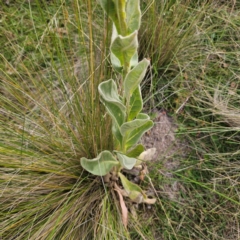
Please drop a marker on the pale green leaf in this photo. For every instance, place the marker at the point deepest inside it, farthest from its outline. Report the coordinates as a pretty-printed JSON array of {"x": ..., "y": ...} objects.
[
  {"x": 134, "y": 60},
  {"x": 143, "y": 116},
  {"x": 128, "y": 127},
  {"x": 116, "y": 64},
  {"x": 137, "y": 133},
  {"x": 136, "y": 104},
  {"x": 126, "y": 162},
  {"x": 133, "y": 15},
  {"x": 114, "y": 60},
  {"x": 133, "y": 130},
  {"x": 118, "y": 136},
  {"x": 109, "y": 96},
  {"x": 101, "y": 165},
  {"x": 134, "y": 192},
  {"x": 124, "y": 48},
  {"x": 134, "y": 78},
  {"x": 136, "y": 151},
  {"x": 111, "y": 9}
]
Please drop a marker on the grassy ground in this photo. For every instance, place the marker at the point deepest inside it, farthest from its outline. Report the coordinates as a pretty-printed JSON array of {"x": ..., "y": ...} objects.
[{"x": 53, "y": 56}]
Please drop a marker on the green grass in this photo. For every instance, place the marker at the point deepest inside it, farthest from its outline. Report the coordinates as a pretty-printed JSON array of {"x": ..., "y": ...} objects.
[
  {"x": 198, "y": 84},
  {"x": 53, "y": 57}
]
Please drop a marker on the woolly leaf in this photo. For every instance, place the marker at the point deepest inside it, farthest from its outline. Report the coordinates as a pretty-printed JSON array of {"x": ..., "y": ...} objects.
[
  {"x": 133, "y": 15},
  {"x": 134, "y": 78},
  {"x": 124, "y": 48},
  {"x": 134, "y": 192},
  {"x": 128, "y": 127},
  {"x": 114, "y": 60},
  {"x": 126, "y": 162},
  {"x": 111, "y": 9},
  {"x": 101, "y": 165},
  {"x": 109, "y": 96},
  {"x": 135, "y": 135},
  {"x": 136, "y": 151},
  {"x": 136, "y": 104}
]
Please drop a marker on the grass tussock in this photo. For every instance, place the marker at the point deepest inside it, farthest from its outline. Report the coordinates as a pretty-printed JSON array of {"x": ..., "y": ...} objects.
[
  {"x": 198, "y": 85},
  {"x": 50, "y": 117},
  {"x": 53, "y": 57}
]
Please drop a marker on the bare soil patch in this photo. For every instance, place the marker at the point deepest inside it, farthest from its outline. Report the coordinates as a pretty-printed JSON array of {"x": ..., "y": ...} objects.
[{"x": 169, "y": 151}]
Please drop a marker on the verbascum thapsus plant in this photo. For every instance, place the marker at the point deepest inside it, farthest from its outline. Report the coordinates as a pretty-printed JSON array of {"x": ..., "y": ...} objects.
[{"x": 123, "y": 102}]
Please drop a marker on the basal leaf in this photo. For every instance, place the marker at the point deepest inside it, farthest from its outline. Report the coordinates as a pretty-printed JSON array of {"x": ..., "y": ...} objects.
[
  {"x": 125, "y": 47},
  {"x": 149, "y": 200},
  {"x": 126, "y": 162},
  {"x": 133, "y": 15},
  {"x": 146, "y": 155},
  {"x": 101, "y": 165},
  {"x": 109, "y": 96},
  {"x": 134, "y": 192},
  {"x": 136, "y": 104}
]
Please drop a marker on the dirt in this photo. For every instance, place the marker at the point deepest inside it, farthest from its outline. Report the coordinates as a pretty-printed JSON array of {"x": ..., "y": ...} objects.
[{"x": 169, "y": 151}]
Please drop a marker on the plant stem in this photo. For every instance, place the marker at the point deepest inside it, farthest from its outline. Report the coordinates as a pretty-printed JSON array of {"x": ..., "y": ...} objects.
[{"x": 121, "y": 4}]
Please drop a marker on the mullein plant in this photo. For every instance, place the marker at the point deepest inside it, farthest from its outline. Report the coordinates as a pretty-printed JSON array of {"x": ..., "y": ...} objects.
[{"x": 123, "y": 102}]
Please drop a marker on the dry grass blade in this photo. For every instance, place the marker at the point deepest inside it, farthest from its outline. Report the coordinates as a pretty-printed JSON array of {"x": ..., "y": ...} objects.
[{"x": 123, "y": 206}]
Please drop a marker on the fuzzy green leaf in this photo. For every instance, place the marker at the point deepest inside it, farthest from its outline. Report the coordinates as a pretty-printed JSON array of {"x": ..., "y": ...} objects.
[
  {"x": 133, "y": 15},
  {"x": 142, "y": 116},
  {"x": 138, "y": 133},
  {"x": 126, "y": 162},
  {"x": 128, "y": 127},
  {"x": 136, "y": 151},
  {"x": 117, "y": 134},
  {"x": 135, "y": 135},
  {"x": 134, "y": 192},
  {"x": 124, "y": 48},
  {"x": 111, "y": 10},
  {"x": 117, "y": 64},
  {"x": 136, "y": 104},
  {"x": 134, "y": 78},
  {"x": 134, "y": 60},
  {"x": 101, "y": 165},
  {"x": 114, "y": 60},
  {"x": 109, "y": 96}
]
